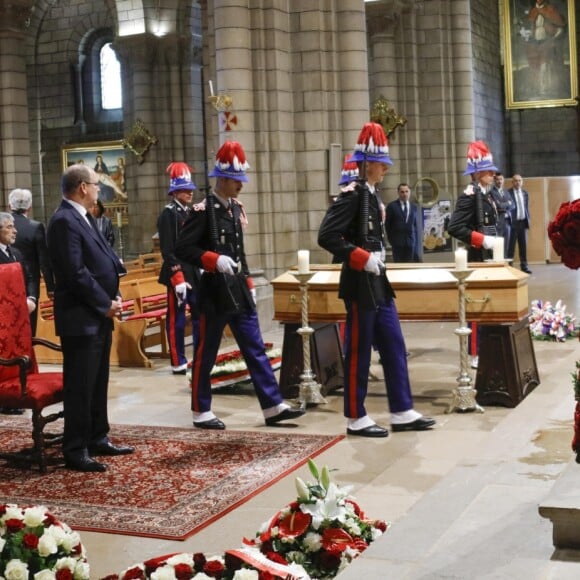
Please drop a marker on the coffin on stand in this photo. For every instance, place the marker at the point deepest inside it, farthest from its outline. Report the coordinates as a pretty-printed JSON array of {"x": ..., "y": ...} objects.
[{"x": 496, "y": 296}]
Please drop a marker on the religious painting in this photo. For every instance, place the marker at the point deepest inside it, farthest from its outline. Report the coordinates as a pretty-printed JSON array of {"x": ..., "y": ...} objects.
[
  {"x": 107, "y": 158},
  {"x": 435, "y": 222},
  {"x": 540, "y": 53}
]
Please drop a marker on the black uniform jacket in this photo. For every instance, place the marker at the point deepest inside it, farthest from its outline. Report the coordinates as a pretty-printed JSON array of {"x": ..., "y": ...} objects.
[
  {"x": 341, "y": 234},
  {"x": 169, "y": 225},
  {"x": 218, "y": 293},
  {"x": 464, "y": 221}
]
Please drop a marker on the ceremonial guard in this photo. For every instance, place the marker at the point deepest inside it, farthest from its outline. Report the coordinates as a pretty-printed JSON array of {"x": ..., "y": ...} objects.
[
  {"x": 353, "y": 231},
  {"x": 180, "y": 277},
  {"x": 475, "y": 216},
  {"x": 213, "y": 239}
]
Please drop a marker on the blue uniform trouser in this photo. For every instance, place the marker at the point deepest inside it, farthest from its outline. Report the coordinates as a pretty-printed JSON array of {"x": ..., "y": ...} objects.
[
  {"x": 246, "y": 331},
  {"x": 175, "y": 322},
  {"x": 379, "y": 328}
]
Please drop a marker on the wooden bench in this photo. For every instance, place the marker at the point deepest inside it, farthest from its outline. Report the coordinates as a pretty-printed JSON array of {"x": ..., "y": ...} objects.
[{"x": 136, "y": 335}]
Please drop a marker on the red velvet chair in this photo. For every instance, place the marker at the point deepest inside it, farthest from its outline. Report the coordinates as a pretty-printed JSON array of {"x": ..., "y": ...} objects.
[{"x": 21, "y": 385}]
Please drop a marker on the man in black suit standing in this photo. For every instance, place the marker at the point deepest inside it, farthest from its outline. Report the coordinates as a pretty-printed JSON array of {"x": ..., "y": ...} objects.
[
  {"x": 503, "y": 203},
  {"x": 401, "y": 226},
  {"x": 86, "y": 298},
  {"x": 520, "y": 217},
  {"x": 31, "y": 241}
]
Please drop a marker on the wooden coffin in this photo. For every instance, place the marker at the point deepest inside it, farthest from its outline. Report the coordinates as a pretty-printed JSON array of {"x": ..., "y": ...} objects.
[{"x": 495, "y": 292}]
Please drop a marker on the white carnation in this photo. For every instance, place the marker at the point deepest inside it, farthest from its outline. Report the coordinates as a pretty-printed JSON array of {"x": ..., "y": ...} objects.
[
  {"x": 66, "y": 563},
  {"x": 376, "y": 533},
  {"x": 34, "y": 516},
  {"x": 58, "y": 533},
  {"x": 16, "y": 570},
  {"x": 312, "y": 542},
  {"x": 70, "y": 541},
  {"x": 202, "y": 576}
]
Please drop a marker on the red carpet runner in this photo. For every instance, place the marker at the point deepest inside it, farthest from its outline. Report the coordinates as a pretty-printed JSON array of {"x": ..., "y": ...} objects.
[{"x": 177, "y": 482}]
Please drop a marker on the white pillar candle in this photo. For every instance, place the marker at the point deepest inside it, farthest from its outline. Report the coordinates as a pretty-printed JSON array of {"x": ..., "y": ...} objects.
[
  {"x": 303, "y": 261},
  {"x": 119, "y": 219},
  {"x": 211, "y": 88},
  {"x": 460, "y": 259},
  {"x": 498, "y": 250}
]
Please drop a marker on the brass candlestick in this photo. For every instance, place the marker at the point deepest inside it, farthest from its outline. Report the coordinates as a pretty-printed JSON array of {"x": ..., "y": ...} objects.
[
  {"x": 309, "y": 393},
  {"x": 464, "y": 396}
]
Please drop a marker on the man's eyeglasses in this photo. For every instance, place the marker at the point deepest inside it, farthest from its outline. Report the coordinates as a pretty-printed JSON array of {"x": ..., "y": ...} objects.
[{"x": 91, "y": 182}]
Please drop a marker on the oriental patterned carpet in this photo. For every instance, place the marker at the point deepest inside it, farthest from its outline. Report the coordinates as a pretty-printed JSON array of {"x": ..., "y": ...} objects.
[{"x": 177, "y": 481}]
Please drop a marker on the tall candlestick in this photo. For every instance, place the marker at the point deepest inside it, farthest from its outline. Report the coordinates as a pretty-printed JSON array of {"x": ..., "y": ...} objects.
[
  {"x": 460, "y": 259},
  {"x": 498, "y": 250},
  {"x": 119, "y": 219},
  {"x": 211, "y": 88},
  {"x": 303, "y": 261}
]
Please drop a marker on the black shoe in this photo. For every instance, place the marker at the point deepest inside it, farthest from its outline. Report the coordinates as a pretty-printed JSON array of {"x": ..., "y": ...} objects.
[
  {"x": 370, "y": 431},
  {"x": 526, "y": 270},
  {"x": 285, "y": 415},
  {"x": 180, "y": 372},
  {"x": 11, "y": 411},
  {"x": 108, "y": 448},
  {"x": 420, "y": 424},
  {"x": 84, "y": 463},
  {"x": 214, "y": 423}
]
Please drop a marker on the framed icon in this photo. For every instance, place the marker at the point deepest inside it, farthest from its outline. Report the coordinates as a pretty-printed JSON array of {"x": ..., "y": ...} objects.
[{"x": 540, "y": 53}]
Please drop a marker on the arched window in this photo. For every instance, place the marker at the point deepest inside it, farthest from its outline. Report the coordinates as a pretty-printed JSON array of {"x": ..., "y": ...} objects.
[{"x": 111, "y": 89}]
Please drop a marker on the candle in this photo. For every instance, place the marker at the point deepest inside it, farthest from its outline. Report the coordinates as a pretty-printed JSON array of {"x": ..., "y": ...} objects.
[
  {"x": 119, "y": 219},
  {"x": 460, "y": 259},
  {"x": 498, "y": 250},
  {"x": 303, "y": 261},
  {"x": 211, "y": 88}
]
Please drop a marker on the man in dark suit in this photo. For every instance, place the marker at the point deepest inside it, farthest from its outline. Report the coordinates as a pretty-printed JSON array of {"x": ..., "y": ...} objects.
[
  {"x": 86, "y": 298},
  {"x": 503, "y": 203},
  {"x": 31, "y": 241},
  {"x": 520, "y": 217},
  {"x": 401, "y": 226},
  {"x": 9, "y": 254}
]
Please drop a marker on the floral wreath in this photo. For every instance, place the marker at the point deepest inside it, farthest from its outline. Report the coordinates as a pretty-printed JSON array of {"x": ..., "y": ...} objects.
[
  {"x": 564, "y": 233},
  {"x": 34, "y": 544}
]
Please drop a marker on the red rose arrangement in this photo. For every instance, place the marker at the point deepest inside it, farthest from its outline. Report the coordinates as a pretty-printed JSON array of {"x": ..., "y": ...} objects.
[{"x": 564, "y": 233}]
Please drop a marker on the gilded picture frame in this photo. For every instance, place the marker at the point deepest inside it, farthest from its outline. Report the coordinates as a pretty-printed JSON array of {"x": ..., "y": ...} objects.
[
  {"x": 540, "y": 53},
  {"x": 107, "y": 158}
]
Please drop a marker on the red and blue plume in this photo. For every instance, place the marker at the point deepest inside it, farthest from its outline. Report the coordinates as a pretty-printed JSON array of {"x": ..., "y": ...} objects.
[
  {"x": 479, "y": 158},
  {"x": 231, "y": 162},
  {"x": 349, "y": 171},
  {"x": 372, "y": 144},
  {"x": 180, "y": 177},
  {"x": 179, "y": 169}
]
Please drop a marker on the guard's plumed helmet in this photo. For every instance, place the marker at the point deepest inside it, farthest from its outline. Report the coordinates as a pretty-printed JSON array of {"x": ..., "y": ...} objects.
[
  {"x": 479, "y": 158},
  {"x": 349, "y": 171},
  {"x": 372, "y": 145},
  {"x": 230, "y": 162},
  {"x": 180, "y": 177}
]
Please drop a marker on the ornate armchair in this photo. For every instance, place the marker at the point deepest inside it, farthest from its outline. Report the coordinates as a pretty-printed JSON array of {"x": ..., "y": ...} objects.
[{"x": 22, "y": 386}]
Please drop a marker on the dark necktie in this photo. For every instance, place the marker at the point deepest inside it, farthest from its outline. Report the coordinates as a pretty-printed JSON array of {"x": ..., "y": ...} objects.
[
  {"x": 10, "y": 254},
  {"x": 405, "y": 211}
]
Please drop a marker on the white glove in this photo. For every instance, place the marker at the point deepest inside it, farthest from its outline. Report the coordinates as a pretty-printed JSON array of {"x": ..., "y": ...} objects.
[
  {"x": 253, "y": 293},
  {"x": 31, "y": 304},
  {"x": 181, "y": 291},
  {"x": 226, "y": 265},
  {"x": 374, "y": 265},
  {"x": 488, "y": 242}
]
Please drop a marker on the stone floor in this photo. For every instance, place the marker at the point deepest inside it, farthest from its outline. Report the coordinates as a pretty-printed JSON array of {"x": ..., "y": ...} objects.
[{"x": 462, "y": 498}]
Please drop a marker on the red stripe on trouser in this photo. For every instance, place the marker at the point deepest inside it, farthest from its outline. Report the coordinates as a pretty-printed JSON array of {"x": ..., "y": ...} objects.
[
  {"x": 197, "y": 360},
  {"x": 352, "y": 371},
  {"x": 171, "y": 312}
]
